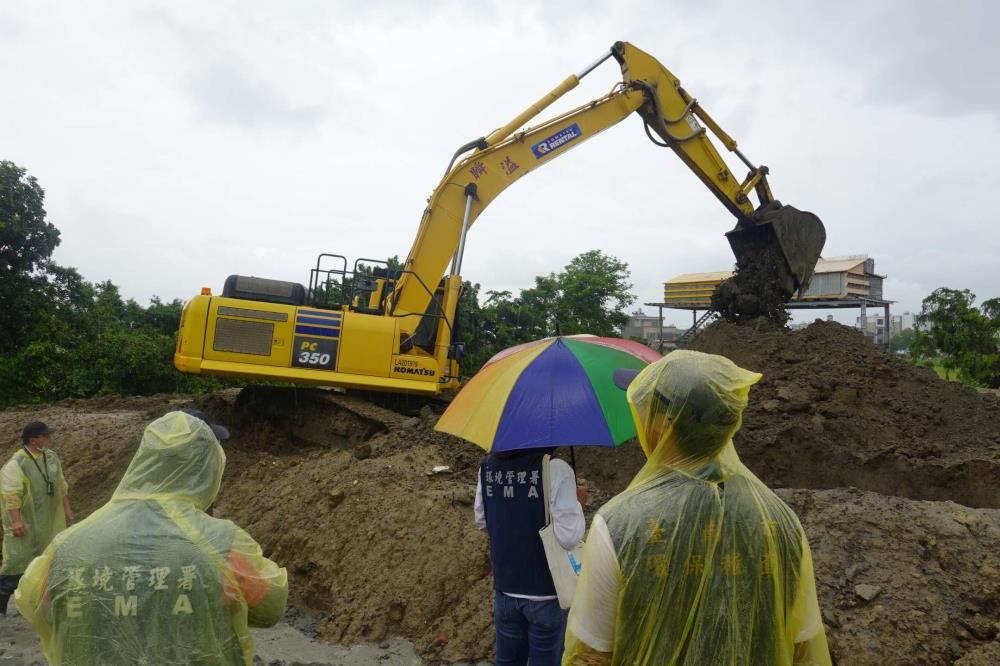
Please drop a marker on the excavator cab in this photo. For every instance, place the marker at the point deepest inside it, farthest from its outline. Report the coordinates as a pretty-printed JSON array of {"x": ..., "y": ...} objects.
[{"x": 790, "y": 239}]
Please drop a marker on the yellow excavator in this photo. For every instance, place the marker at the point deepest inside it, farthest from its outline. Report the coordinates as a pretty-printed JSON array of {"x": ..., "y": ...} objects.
[{"x": 393, "y": 328}]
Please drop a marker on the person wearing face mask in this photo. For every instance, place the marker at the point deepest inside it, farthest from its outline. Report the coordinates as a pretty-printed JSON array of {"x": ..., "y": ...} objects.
[
  {"x": 35, "y": 504},
  {"x": 697, "y": 561},
  {"x": 150, "y": 577}
]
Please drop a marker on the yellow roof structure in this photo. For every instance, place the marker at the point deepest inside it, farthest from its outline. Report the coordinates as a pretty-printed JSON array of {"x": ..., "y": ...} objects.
[
  {"x": 839, "y": 265},
  {"x": 689, "y": 278},
  {"x": 694, "y": 290}
]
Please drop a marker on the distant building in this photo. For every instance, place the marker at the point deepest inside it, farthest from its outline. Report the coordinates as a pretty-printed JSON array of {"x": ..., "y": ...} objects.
[
  {"x": 845, "y": 277},
  {"x": 647, "y": 327},
  {"x": 903, "y": 322},
  {"x": 874, "y": 326},
  {"x": 838, "y": 282},
  {"x": 839, "y": 278}
]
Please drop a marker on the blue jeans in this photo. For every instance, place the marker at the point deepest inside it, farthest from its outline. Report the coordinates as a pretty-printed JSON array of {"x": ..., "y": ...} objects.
[{"x": 528, "y": 630}]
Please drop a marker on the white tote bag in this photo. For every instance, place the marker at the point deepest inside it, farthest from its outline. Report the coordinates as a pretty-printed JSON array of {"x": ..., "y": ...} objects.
[{"x": 565, "y": 565}]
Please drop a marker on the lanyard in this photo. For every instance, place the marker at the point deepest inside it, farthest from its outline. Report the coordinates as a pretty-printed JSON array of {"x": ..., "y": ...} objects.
[{"x": 45, "y": 461}]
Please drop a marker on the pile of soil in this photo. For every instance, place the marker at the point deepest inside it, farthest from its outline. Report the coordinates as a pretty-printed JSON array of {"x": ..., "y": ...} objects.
[
  {"x": 344, "y": 493},
  {"x": 833, "y": 410},
  {"x": 903, "y": 581}
]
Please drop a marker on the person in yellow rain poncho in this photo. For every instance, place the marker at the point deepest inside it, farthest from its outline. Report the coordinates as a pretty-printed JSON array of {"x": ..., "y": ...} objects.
[
  {"x": 150, "y": 578},
  {"x": 697, "y": 562},
  {"x": 35, "y": 505}
]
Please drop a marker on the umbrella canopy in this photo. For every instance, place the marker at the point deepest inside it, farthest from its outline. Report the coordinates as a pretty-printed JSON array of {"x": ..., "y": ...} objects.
[{"x": 553, "y": 392}]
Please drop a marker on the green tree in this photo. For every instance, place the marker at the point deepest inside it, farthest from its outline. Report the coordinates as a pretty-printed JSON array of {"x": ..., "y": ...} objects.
[
  {"x": 902, "y": 341},
  {"x": 26, "y": 244},
  {"x": 595, "y": 293},
  {"x": 590, "y": 295},
  {"x": 964, "y": 337},
  {"x": 537, "y": 309}
]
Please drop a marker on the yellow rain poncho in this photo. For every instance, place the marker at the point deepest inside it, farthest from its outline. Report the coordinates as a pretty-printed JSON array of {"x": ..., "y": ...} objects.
[
  {"x": 23, "y": 486},
  {"x": 150, "y": 578},
  {"x": 697, "y": 561}
]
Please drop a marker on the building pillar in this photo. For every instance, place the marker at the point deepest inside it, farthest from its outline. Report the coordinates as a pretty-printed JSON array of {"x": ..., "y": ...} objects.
[
  {"x": 661, "y": 330},
  {"x": 888, "y": 330}
]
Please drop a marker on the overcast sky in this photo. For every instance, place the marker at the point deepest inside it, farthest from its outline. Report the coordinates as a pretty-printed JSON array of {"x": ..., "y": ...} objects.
[{"x": 181, "y": 142}]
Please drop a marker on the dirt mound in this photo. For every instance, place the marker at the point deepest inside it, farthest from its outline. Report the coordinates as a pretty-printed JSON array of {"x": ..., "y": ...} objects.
[
  {"x": 95, "y": 439},
  {"x": 336, "y": 489},
  {"x": 903, "y": 581},
  {"x": 343, "y": 493},
  {"x": 833, "y": 411},
  {"x": 371, "y": 533}
]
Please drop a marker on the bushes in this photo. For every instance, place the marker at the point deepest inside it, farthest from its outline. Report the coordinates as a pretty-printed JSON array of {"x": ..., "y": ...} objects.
[{"x": 91, "y": 342}]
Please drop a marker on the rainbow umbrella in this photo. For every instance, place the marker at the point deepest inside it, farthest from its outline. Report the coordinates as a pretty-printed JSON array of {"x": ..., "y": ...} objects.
[{"x": 553, "y": 392}]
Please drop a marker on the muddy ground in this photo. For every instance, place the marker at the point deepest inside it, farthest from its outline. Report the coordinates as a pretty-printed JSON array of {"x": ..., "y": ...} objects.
[
  {"x": 893, "y": 472},
  {"x": 285, "y": 644}
]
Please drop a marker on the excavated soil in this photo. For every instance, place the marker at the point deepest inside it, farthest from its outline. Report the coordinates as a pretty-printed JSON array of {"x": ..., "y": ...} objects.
[
  {"x": 832, "y": 410},
  {"x": 343, "y": 493},
  {"x": 903, "y": 581},
  {"x": 754, "y": 289}
]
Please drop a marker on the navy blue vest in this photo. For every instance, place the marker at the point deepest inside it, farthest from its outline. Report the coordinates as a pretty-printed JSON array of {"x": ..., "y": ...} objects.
[{"x": 512, "y": 498}]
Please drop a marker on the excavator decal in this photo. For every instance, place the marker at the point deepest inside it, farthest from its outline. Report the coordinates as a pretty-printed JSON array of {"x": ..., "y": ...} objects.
[{"x": 557, "y": 140}]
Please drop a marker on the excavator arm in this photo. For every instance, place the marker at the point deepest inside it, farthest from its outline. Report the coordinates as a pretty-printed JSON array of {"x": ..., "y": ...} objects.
[
  {"x": 672, "y": 118},
  {"x": 393, "y": 330}
]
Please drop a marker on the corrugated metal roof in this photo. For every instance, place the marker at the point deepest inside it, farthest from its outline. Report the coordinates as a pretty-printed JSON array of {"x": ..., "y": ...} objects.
[
  {"x": 822, "y": 266},
  {"x": 838, "y": 265},
  {"x": 717, "y": 276}
]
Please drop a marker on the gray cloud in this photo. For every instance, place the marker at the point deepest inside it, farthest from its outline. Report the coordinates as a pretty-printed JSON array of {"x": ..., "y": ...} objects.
[
  {"x": 227, "y": 93},
  {"x": 939, "y": 57},
  {"x": 839, "y": 99}
]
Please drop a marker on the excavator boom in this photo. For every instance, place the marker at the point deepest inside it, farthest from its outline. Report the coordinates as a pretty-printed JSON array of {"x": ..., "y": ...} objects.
[
  {"x": 394, "y": 329},
  {"x": 678, "y": 121}
]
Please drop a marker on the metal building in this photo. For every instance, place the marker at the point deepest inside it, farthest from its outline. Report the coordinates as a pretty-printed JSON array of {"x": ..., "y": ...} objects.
[
  {"x": 841, "y": 278},
  {"x": 840, "y": 282}
]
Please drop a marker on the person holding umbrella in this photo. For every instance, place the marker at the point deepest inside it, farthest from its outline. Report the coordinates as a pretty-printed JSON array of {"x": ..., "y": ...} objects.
[
  {"x": 509, "y": 506},
  {"x": 697, "y": 561},
  {"x": 522, "y": 404}
]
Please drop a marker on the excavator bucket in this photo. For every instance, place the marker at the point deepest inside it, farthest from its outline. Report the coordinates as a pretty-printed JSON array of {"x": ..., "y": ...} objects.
[{"x": 795, "y": 237}]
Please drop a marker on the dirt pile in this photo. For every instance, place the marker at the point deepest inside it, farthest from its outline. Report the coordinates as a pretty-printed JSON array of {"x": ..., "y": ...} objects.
[
  {"x": 336, "y": 489},
  {"x": 344, "y": 494},
  {"x": 832, "y": 410},
  {"x": 903, "y": 581}
]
